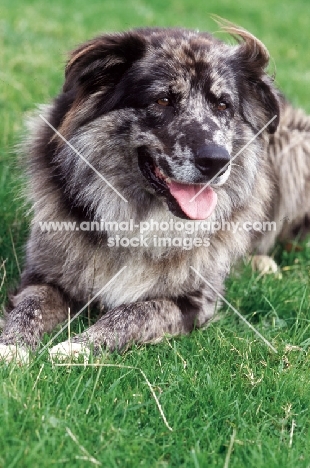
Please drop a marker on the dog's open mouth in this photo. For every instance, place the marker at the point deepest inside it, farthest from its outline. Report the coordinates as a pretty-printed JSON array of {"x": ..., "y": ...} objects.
[{"x": 184, "y": 200}]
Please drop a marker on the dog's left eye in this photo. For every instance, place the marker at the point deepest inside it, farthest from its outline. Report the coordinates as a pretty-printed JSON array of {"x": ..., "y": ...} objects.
[
  {"x": 221, "y": 106},
  {"x": 164, "y": 102}
]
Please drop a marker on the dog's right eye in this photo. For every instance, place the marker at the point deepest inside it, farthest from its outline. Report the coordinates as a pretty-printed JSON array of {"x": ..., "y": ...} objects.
[
  {"x": 164, "y": 102},
  {"x": 221, "y": 106}
]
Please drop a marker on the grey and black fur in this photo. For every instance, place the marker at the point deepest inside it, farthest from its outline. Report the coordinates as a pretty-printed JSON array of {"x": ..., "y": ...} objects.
[{"x": 136, "y": 105}]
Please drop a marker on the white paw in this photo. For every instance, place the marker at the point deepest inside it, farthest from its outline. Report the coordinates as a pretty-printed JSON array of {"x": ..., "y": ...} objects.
[
  {"x": 264, "y": 264},
  {"x": 13, "y": 353},
  {"x": 67, "y": 350}
]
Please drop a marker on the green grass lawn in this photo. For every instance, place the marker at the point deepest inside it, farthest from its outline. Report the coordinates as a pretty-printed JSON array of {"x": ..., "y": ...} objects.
[{"x": 229, "y": 399}]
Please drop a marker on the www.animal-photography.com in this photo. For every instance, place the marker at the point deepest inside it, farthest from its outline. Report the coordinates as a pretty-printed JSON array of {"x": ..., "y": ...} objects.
[{"x": 154, "y": 244}]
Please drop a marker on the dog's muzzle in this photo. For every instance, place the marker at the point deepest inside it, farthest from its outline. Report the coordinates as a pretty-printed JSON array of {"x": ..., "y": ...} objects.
[{"x": 185, "y": 199}]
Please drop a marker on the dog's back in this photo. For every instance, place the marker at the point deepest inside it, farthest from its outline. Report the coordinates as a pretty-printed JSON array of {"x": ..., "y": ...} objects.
[{"x": 288, "y": 156}]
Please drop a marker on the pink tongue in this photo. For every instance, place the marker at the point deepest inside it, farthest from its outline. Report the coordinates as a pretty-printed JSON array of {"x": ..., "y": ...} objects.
[{"x": 201, "y": 207}]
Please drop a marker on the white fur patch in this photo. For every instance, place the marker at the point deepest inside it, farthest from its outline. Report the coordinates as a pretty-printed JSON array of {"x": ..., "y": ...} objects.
[
  {"x": 264, "y": 264},
  {"x": 12, "y": 353},
  {"x": 67, "y": 350}
]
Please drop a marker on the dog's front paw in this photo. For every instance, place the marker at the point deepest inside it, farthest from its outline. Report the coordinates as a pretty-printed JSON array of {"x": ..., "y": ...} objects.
[
  {"x": 69, "y": 351},
  {"x": 13, "y": 353},
  {"x": 264, "y": 264}
]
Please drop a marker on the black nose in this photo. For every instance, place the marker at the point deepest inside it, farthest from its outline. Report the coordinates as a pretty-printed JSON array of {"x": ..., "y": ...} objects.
[{"x": 211, "y": 159}]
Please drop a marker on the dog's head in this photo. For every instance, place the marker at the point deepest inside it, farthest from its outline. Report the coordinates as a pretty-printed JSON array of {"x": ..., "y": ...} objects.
[{"x": 173, "y": 105}]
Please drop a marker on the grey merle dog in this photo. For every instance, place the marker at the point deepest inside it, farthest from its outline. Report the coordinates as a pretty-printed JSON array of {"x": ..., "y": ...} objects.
[{"x": 160, "y": 113}]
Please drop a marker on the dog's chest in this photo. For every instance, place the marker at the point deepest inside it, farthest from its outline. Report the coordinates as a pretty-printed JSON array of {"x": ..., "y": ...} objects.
[{"x": 137, "y": 278}]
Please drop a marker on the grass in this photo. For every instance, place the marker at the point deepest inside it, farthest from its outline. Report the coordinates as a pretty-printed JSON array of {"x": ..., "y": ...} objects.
[{"x": 230, "y": 400}]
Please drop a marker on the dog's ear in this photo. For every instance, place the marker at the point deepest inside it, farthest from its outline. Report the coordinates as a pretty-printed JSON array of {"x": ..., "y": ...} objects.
[
  {"x": 252, "y": 58},
  {"x": 92, "y": 74},
  {"x": 102, "y": 61}
]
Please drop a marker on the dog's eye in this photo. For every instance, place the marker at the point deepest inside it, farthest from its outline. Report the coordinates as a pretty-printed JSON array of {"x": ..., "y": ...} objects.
[
  {"x": 164, "y": 102},
  {"x": 221, "y": 106}
]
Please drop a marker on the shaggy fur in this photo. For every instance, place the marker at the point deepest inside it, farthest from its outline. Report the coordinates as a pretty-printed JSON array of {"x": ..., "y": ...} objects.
[{"x": 152, "y": 109}]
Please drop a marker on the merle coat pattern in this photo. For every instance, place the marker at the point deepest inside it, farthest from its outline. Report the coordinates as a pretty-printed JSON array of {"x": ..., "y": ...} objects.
[{"x": 152, "y": 110}]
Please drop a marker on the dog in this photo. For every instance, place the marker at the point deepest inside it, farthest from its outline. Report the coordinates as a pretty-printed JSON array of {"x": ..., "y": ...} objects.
[{"x": 158, "y": 137}]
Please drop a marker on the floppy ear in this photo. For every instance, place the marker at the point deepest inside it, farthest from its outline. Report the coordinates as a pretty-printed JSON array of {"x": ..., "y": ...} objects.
[
  {"x": 102, "y": 61},
  {"x": 91, "y": 76},
  {"x": 251, "y": 58}
]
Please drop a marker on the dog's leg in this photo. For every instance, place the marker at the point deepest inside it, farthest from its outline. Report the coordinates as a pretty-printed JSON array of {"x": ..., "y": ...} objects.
[
  {"x": 36, "y": 310},
  {"x": 141, "y": 322}
]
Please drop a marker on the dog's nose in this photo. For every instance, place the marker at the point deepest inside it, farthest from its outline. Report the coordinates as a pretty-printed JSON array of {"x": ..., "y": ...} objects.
[{"x": 211, "y": 158}]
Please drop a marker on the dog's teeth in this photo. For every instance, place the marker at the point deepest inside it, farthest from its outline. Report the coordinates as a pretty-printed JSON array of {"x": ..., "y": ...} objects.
[
  {"x": 162, "y": 175},
  {"x": 166, "y": 178}
]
